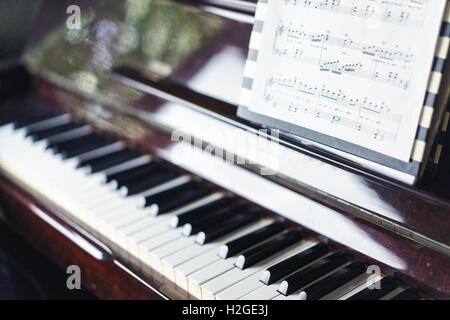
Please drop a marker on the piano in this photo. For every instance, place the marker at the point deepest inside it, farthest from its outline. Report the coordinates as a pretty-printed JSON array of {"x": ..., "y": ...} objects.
[{"x": 121, "y": 153}]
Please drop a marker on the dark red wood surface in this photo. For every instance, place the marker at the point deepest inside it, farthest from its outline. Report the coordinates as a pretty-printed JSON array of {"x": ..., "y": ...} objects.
[{"x": 60, "y": 240}]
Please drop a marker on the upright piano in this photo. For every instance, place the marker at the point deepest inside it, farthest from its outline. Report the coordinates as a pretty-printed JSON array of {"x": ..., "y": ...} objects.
[{"x": 121, "y": 153}]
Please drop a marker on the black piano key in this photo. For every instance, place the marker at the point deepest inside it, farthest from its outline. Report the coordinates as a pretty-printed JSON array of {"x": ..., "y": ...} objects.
[
  {"x": 386, "y": 285},
  {"x": 330, "y": 283},
  {"x": 75, "y": 143},
  {"x": 171, "y": 199},
  {"x": 51, "y": 123},
  {"x": 37, "y": 135},
  {"x": 307, "y": 275},
  {"x": 228, "y": 226},
  {"x": 56, "y": 140},
  {"x": 200, "y": 212},
  {"x": 134, "y": 173},
  {"x": 58, "y": 146},
  {"x": 296, "y": 262},
  {"x": 268, "y": 248},
  {"x": 32, "y": 120},
  {"x": 249, "y": 240},
  {"x": 407, "y": 294},
  {"x": 108, "y": 160},
  {"x": 144, "y": 183},
  {"x": 214, "y": 218}
]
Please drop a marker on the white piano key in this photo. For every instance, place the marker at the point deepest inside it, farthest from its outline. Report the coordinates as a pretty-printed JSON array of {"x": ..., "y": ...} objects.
[
  {"x": 111, "y": 226},
  {"x": 290, "y": 297},
  {"x": 78, "y": 176},
  {"x": 126, "y": 165},
  {"x": 40, "y": 184},
  {"x": 126, "y": 216},
  {"x": 6, "y": 130},
  {"x": 133, "y": 242},
  {"x": 145, "y": 255},
  {"x": 392, "y": 294},
  {"x": 178, "y": 258},
  {"x": 183, "y": 271},
  {"x": 195, "y": 204},
  {"x": 91, "y": 194},
  {"x": 158, "y": 240},
  {"x": 238, "y": 290},
  {"x": 114, "y": 208},
  {"x": 70, "y": 134},
  {"x": 201, "y": 269},
  {"x": 81, "y": 187},
  {"x": 98, "y": 199},
  {"x": 122, "y": 233},
  {"x": 50, "y": 166},
  {"x": 14, "y": 144}
]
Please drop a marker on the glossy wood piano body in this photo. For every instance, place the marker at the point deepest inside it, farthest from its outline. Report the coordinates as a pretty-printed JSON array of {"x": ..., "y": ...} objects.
[{"x": 176, "y": 104}]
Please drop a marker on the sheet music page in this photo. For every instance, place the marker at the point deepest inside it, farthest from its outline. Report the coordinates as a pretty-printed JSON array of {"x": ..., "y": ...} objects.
[{"x": 356, "y": 70}]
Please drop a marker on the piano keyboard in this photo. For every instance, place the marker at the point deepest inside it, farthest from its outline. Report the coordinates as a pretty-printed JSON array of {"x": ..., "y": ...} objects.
[{"x": 206, "y": 241}]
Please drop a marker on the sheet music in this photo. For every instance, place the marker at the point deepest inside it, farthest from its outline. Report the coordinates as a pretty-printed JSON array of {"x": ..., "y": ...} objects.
[{"x": 352, "y": 69}]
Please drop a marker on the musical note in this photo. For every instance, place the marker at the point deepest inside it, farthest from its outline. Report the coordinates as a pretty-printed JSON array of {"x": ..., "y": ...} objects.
[
  {"x": 403, "y": 13},
  {"x": 388, "y": 65}
]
